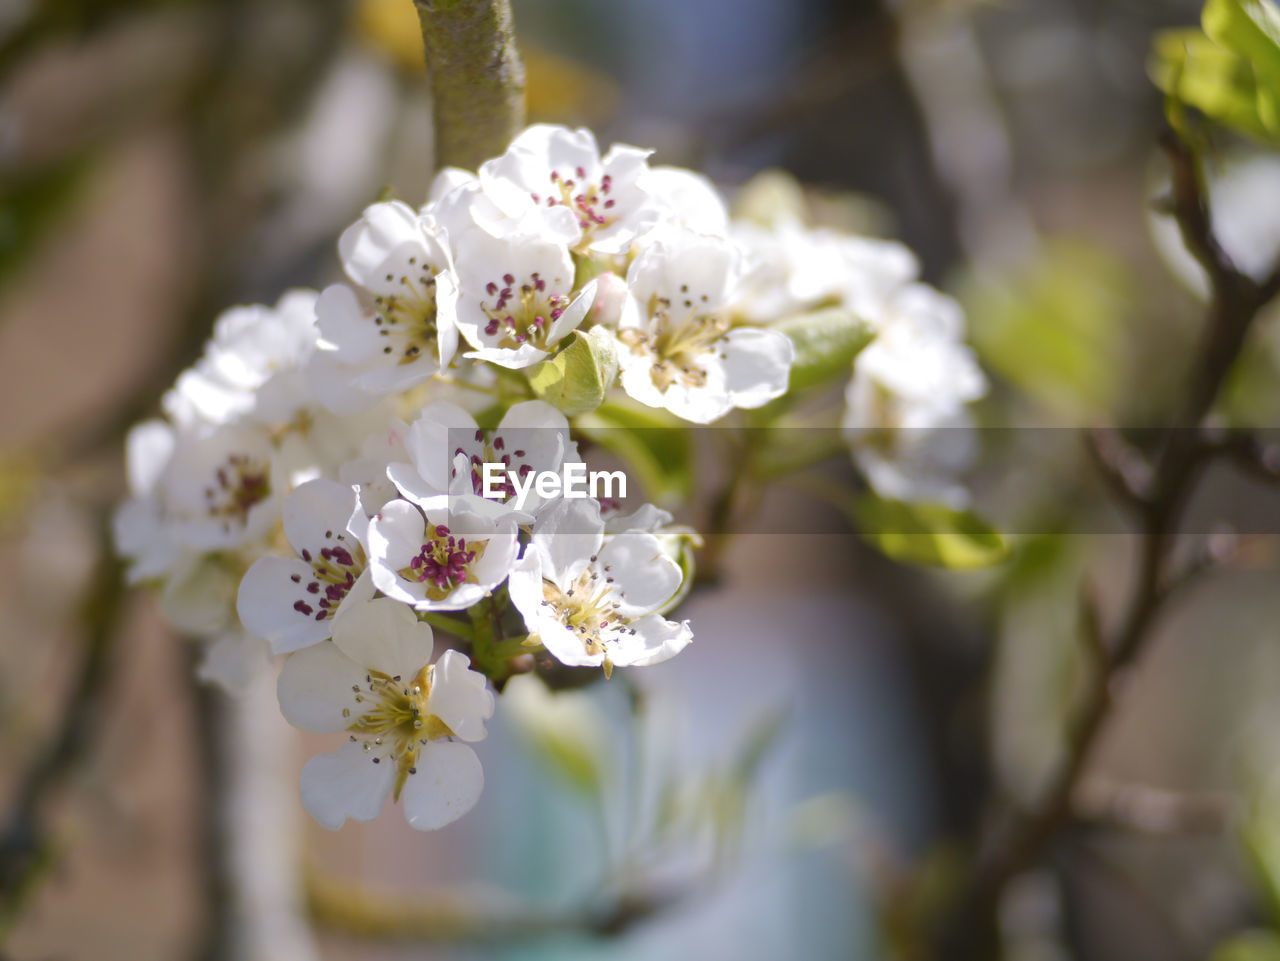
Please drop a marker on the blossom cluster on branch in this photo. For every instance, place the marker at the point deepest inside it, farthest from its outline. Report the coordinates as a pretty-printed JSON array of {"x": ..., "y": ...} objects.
[{"x": 317, "y": 487}]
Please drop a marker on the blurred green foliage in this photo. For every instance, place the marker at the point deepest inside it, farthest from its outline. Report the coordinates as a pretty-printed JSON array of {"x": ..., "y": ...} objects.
[
  {"x": 1055, "y": 329},
  {"x": 1229, "y": 71},
  {"x": 931, "y": 534}
]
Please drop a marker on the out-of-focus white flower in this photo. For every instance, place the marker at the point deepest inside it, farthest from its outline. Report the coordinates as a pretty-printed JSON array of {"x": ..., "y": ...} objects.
[
  {"x": 446, "y": 560},
  {"x": 591, "y": 599},
  {"x": 406, "y": 719},
  {"x": 254, "y": 366},
  {"x": 516, "y": 299},
  {"x": 905, "y": 418},
  {"x": 447, "y": 451},
  {"x": 292, "y": 602},
  {"x": 396, "y": 328},
  {"x": 201, "y": 489},
  {"x": 232, "y": 660},
  {"x": 678, "y": 350},
  {"x": 791, "y": 269}
]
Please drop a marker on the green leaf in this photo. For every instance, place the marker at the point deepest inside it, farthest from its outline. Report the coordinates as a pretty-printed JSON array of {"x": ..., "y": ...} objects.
[
  {"x": 930, "y": 534},
  {"x": 577, "y": 379},
  {"x": 826, "y": 342},
  {"x": 1256, "y": 945},
  {"x": 1250, "y": 28},
  {"x": 655, "y": 446},
  {"x": 1190, "y": 68}
]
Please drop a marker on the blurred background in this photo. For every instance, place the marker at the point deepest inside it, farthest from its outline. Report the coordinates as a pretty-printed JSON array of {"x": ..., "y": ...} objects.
[{"x": 845, "y": 724}]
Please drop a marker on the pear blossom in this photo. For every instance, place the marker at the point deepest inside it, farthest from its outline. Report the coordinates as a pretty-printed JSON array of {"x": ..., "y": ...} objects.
[
  {"x": 905, "y": 416},
  {"x": 447, "y": 451},
  {"x": 367, "y": 473},
  {"x": 292, "y": 602},
  {"x": 254, "y": 366},
  {"x": 592, "y": 600},
  {"x": 553, "y": 182},
  {"x": 445, "y": 560},
  {"x": 678, "y": 349},
  {"x": 407, "y": 720},
  {"x": 395, "y": 328},
  {"x": 517, "y": 298},
  {"x": 199, "y": 489}
]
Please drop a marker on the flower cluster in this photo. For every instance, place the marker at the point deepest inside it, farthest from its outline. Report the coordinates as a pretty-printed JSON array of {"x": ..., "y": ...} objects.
[{"x": 317, "y": 488}]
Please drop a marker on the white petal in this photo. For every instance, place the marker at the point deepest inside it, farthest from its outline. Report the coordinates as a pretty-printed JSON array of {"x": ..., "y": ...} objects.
[
  {"x": 315, "y": 686},
  {"x": 525, "y": 588},
  {"x": 459, "y": 696},
  {"x": 757, "y": 365},
  {"x": 345, "y": 326},
  {"x": 446, "y": 785},
  {"x": 266, "y": 604},
  {"x": 656, "y": 639},
  {"x": 317, "y": 508},
  {"x": 645, "y": 577},
  {"x": 567, "y": 533},
  {"x": 386, "y": 636},
  {"x": 565, "y": 645},
  {"x": 345, "y": 784}
]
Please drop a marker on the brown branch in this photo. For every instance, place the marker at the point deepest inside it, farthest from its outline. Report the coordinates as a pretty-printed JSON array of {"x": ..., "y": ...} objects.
[
  {"x": 1158, "y": 495},
  {"x": 26, "y": 848},
  {"x": 477, "y": 79}
]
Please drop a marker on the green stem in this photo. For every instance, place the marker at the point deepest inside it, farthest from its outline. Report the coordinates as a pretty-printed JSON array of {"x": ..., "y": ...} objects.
[
  {"x": 452, "y": 625},
  {"x": 477, "y": 79}
]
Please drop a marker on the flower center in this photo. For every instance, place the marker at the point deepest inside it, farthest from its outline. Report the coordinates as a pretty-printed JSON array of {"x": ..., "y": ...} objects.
[
  {"x": 242, "y": 483},
  {"x": 407, "y": 318},
  {"x": 493, "y": 451},
  {"x": 523, "y": 313},
  {"x": 588, "y": 199},
  {"x": 396, "y": 723},
  {"x": 444, "y": 562},
  {"x": 334, "y": 573},
  {"x": 587, "y": 608},
  {"x": 679, "y": 347}
]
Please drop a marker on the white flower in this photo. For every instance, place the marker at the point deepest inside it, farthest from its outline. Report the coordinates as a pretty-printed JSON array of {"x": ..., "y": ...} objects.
[
  {"x": 790, "y": 269},
  {"x": 445, "y": 561},
  {"x": 200, "y": 489},
  {"x": 447, "y": 451},
  {"x": 678, "y": 349},
  {"x": 138, "y": 525},
  {"x": 405, "y": 717},
  {"x": 397, "y": 328},
  {"x": 252, "y": 367},
  {"x": 687, "y": 198},
  {"x": 292, "y": 602},
  {"x": 516, "y": 299},
  {"x": 591, "y": 600},
  {"x": 551, "y": 181},
  {"x": 905, "y": 416},
  {"x": 368, "y": 472}
]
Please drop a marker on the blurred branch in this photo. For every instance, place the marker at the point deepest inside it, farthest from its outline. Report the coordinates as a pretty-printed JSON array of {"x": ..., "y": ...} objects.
[
  {"x": 1142, "y": 809},
  {"x": 477, "y": 78},
  {"x": 478, "y": 914},
  {"x": 1158, "y": 494},
  {"x": 26, "y": 849}
]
